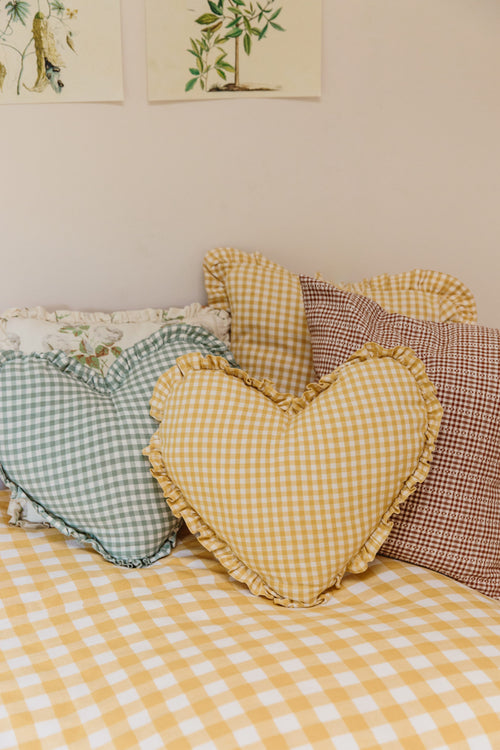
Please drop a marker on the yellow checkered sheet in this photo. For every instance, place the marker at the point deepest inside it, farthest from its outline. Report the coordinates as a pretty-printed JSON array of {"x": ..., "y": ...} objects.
[{"x": 178, "y": 656}]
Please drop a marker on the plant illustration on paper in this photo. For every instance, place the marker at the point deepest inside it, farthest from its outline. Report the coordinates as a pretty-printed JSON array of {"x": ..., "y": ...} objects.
[
  {"x": 226, "y": 26},
  {"x": 36, "y": 41}
]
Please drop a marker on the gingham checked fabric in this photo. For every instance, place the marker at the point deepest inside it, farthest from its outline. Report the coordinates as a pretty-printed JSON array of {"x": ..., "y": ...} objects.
[
  {"x": 178, "y": 656},
  {"x": 269, "y": 333},
  {"x": 425, "y": 294},
  {"x": 71, "y": 441},
  {"x": 95, "y": 339},
  {"x": 452, "y": 522},
  {"x": 289, "y": 493}
]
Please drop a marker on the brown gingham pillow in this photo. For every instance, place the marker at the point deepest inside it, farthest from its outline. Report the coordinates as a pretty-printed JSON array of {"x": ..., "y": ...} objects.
[{"x": 452, "y": 522}]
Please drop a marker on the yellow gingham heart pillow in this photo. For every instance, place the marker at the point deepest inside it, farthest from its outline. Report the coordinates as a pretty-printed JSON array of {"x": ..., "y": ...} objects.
[{"x": 290, "y": 493}]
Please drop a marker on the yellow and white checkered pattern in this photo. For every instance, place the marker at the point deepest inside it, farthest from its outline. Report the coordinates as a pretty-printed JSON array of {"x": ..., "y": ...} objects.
[
  {"x": 269, "y": 333},
  {"x": 423, "y": 294},
  {"x": 178, "y": 656},
  {"x": 289, "y": 492}
]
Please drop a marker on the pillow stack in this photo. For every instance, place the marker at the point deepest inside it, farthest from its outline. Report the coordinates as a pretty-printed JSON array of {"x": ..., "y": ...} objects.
[
  {"x": 344, "y": 420},
  {"x": 309, "y": 327},
  {"x": 274, "y": 520}
]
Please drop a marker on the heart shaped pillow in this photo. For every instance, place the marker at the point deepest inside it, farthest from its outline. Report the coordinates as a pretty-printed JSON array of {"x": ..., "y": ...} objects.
[
  {"x": 71, "y": 442},
  {"x": 288, "y": 492}
]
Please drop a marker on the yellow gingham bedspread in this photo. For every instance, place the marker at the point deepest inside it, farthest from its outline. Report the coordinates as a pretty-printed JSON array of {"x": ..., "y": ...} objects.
[{"x": 178, "y": 656}]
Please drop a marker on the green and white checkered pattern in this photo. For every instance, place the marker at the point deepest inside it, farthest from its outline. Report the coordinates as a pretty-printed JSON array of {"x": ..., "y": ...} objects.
[{"x": 71, "y": 442}]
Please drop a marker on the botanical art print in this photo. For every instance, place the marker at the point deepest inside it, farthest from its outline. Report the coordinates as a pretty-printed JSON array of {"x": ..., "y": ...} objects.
[
  {"x": 48, "y": 54},
  {"x": 229, "y": 23},
  {"x": 38, "y": 38},
  {"x": 209, "y": 49}
]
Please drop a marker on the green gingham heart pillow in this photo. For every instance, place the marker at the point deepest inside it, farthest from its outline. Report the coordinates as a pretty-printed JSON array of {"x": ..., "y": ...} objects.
[{"x": 71, "y": 443}]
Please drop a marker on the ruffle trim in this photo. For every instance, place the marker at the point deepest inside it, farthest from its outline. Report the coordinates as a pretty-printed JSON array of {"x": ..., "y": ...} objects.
[
  {"x": 215, "y": 320},
  {"x": 19, "y": 499},
  {"x": 215, "y": 265},
  {"x": 121, "y": 367},
  {"x": 456, "y": 300},
  {"x": 293, "y": 405}
]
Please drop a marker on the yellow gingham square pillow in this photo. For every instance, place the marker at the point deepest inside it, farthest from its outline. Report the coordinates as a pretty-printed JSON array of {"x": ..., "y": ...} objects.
[
  {"x": 290, "y": 493},
  {"x": 269, "y": 333}
]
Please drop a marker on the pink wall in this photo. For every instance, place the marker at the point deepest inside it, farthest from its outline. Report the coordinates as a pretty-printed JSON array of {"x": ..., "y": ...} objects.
[{"x": 398, "y": 165}]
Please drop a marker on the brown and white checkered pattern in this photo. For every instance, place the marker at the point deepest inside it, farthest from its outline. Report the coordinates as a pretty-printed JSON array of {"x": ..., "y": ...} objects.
[
  {"x": 269, "y": 334},
  {"x": 452, "y": 522},
  {"x": 178, "y": 656},
  {"x": 289, "y": 492}
]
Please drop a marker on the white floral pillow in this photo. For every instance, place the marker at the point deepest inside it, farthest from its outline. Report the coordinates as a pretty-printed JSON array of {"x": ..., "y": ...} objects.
[{"x": 96, "y": 339}]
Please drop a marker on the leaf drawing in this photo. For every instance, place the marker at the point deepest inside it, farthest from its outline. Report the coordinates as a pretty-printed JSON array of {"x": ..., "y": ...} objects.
[{"x": 229, "y": 24}]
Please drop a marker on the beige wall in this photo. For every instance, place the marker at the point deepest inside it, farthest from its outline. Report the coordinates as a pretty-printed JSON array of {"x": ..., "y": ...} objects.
[{"x": 397, "y": 166}]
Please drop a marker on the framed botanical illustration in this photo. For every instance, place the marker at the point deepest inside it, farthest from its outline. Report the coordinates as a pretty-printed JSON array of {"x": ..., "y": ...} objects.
[
  {"x": 206, "y": 49},
  {"x": 50, "y": 51}
]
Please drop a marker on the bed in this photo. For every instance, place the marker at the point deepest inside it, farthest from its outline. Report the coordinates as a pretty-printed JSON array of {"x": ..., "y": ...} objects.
[
  {"x": 124, "y": 647},
  {"x": 178, "y": 655}
]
